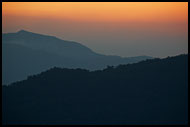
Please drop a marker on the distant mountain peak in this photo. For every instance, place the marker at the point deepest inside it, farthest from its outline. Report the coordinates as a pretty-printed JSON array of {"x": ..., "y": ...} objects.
[{"x": 23, "y": 31}]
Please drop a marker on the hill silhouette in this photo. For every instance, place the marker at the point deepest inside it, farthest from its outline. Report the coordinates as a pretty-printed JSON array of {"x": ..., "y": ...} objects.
[
  {"x": 26, "y": 53},
  {"x": 148, "y": 92}
]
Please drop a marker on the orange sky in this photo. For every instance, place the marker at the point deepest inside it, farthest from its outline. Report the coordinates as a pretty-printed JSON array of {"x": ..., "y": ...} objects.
[
  {"x": 105, "y": 27},
  {"x": 104, "y": 11}
]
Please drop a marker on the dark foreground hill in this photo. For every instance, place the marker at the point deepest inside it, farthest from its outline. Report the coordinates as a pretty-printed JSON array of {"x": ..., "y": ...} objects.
[
  {"x": 149, "y": 92},
  {"x": 25, "y": 53}
]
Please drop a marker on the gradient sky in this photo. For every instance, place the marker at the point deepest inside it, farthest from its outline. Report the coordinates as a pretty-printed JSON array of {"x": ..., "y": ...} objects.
[{"x": 157, "y": 29}]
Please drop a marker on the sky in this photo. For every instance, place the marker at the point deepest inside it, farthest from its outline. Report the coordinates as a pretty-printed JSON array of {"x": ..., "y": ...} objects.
[{"x": 157, "y": 29}]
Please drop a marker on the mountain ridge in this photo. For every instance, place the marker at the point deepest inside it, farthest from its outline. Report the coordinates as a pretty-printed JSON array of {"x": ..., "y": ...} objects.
[
  {"x": 44, "y": 35},
  {"x": 61, "y": 53},
  {"x": 122, "y": 95}
]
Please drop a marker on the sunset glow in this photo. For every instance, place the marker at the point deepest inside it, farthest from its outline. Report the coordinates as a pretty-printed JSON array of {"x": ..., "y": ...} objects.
[
  {"x": 99, "y": 24},
  {"x": 88, "y": 11}
]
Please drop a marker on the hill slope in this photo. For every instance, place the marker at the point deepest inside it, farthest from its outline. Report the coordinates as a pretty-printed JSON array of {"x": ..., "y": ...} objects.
[
  {"x": 149, "y": 92},
  {"x": 26, "y": 53}
]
